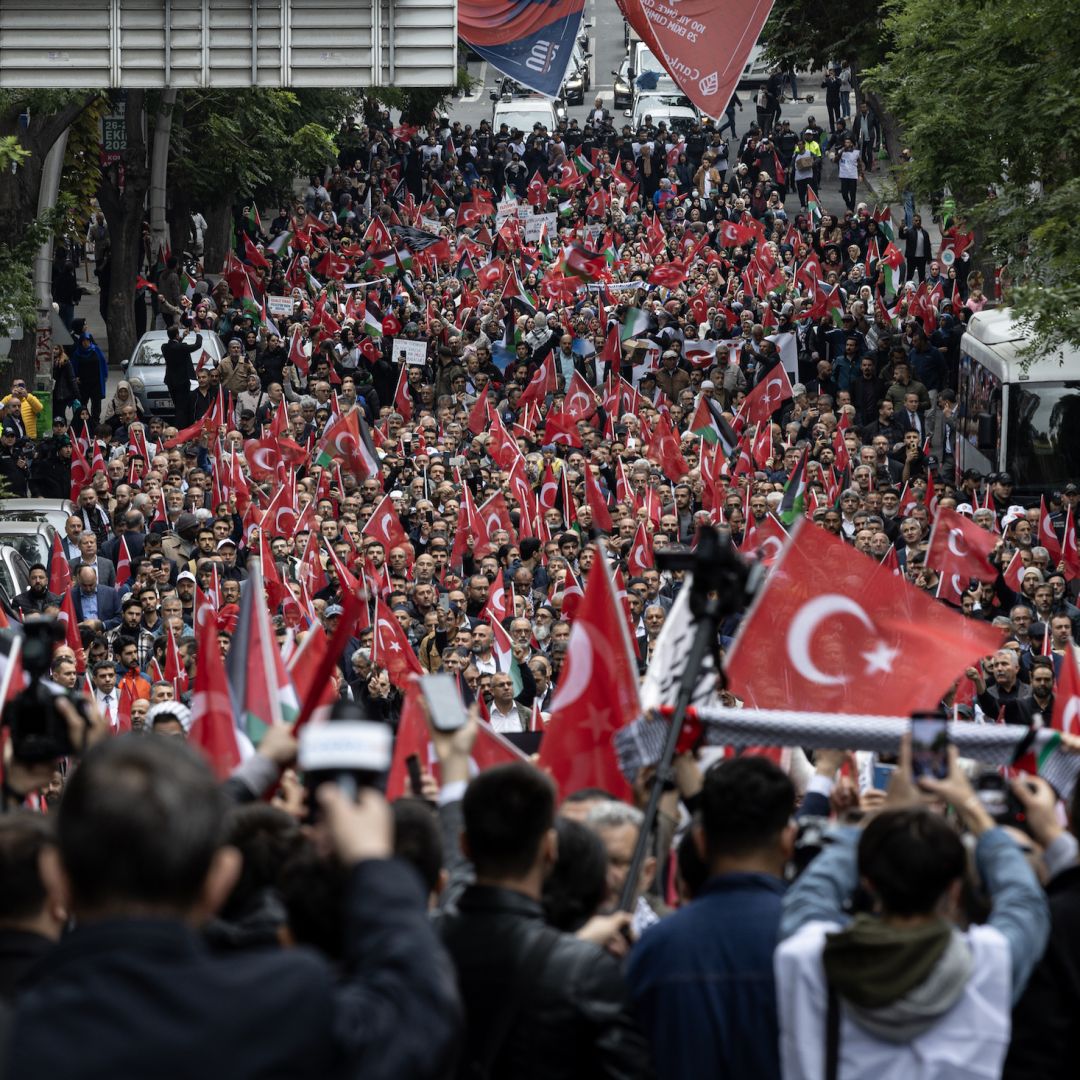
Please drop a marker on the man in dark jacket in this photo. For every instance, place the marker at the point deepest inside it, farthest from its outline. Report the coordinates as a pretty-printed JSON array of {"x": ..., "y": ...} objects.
[
  {"x": 179, "y": 371},
  {"x": 538, "y": 1002},
  {"x": 141, "y": 864},
  {"x": 916, "y": 248},
  {"x": 37, "y": 598},
  {"x": 702, "y": 979}
]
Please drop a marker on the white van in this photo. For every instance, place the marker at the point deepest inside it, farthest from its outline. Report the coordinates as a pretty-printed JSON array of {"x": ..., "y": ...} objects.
[
  {"x": 1017, "y": 419},
  {"x": 524, "y": 113}
]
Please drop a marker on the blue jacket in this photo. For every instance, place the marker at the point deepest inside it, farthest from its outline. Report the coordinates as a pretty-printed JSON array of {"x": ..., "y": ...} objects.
[
  {"x": 702, "y": 982},
  {"x": 85, "y": 359}
]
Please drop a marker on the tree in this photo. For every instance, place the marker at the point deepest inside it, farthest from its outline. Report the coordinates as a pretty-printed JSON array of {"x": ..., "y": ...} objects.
[
  {"x": 122, "y": 195},
  {"x": 235, "y": 146},
  {"x": 808, "y": 35},
  {"x": 971, "y": 85},
  {"x": 25, "y": 143}
]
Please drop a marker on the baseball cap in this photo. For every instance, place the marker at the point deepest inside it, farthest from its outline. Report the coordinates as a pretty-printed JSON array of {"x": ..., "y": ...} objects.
[
  {"x": 226, "y": 542},
  {"x": 185, "y": 575},
  {"x": 333, "y": 611}
]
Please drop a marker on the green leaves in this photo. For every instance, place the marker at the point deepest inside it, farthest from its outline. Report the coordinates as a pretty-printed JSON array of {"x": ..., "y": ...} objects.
[{"x": 980, "y": 91}]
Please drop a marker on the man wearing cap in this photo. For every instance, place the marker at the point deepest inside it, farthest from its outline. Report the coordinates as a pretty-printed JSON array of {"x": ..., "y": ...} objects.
[
  {"x": 671, "y": 378},
  {"x": 230, "y": 571},
  {"x": 14, "y": 466}
]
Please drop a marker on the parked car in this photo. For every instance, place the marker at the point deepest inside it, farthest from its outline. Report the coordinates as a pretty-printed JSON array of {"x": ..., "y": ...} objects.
[
  {"x": 145, "y": 369},
  {"x": 14, "y": 574},
  {"x": 577, "y": 82},
  {"x": 54, "y": 511},
  {"x": 623, "y": 86},
  {"x": 33, "y": 540}
]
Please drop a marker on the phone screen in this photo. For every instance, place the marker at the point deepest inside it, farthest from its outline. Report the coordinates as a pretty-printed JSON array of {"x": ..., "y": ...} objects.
[
  {"x": 929, "y": 747},
  {"x": 443, "y": 701}
]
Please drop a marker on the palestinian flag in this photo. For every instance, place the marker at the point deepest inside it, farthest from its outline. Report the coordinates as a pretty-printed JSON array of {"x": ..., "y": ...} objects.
[
  {"x": 349, "y": 438},
  {"x": 813, "y": 204},
  {"x": 373, "y": 321},
  {"x": 252, "y": 221},
  {"x": 709, "y": 423},
  {"x": 281, "y": 241},
  {"x": 892, "y": 262},
  {"x": 793, "y": 504},
  {"x": 583, "y": 165},
  {"x": 544, "y": 245},
  {"x": 635, "y": 322},
  {"x": 884, "y": 223},
  {"x": 187, "y": 286},
  {"x": 262, "y": 694}
]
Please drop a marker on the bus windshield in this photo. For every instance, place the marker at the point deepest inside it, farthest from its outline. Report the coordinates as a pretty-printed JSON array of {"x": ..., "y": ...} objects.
[{"x": 1044, "y": 433}]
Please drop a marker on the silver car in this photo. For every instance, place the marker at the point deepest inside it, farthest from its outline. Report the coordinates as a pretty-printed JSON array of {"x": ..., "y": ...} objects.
[
  {"x": 145, "y": 370},
  {"x": 33, "y": 540},
  {"x": 54, "y": 511}
]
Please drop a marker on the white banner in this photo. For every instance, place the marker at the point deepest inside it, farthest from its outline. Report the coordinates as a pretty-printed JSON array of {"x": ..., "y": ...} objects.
[{"x": 403, "y": 351}]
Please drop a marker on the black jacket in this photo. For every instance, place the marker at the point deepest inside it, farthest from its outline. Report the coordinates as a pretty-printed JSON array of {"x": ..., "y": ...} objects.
[
  {"x": 575, "y": 1017},
  {"x": 1045, "y": 1037},
  {"x": 146, "y": 997},
  {"x": 30, "y": 601},
  {"x": 179, "y": 370}
]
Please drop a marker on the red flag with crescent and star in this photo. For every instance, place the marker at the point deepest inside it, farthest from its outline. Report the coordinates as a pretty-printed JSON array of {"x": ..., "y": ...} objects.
[
  {"x": 830, "y": 633},
  {"x": 959, "y": 546},
  {"x": 596, "y": 696}
]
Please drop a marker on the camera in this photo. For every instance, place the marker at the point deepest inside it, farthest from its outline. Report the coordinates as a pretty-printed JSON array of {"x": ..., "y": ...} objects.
[
  {"x": 38, "y": 731},
  {"x": 349, "y": 750}
]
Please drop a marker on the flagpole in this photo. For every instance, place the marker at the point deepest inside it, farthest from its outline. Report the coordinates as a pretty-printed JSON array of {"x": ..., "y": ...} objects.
[{"x": 721, "y": 585}]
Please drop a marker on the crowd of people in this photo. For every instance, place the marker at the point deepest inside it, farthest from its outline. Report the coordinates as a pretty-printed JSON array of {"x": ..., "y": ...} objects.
[{"x": 458, "y": 419}]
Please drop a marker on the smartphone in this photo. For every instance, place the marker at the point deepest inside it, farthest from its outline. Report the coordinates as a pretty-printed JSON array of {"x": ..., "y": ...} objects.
[
  {"x": 883, "y": 774},
  {"x": 443, "y": 701},
  {"x": 929, "y": 745},
  {"x": 412, "y": 764}
]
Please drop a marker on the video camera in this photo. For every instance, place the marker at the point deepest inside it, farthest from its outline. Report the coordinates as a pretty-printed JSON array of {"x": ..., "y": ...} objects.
[{"x": 38, "y": 730}]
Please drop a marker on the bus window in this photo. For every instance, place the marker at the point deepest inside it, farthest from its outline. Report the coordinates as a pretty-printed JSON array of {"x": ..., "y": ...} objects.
[
  {"x": 1044, "y": 433},
  {"x": 979, "y": 397}
]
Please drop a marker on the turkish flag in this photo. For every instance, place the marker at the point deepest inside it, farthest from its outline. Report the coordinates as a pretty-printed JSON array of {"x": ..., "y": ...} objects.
[
  {"x": 561, "y": 428},
  {"x": 391, "y": 648},
  {"x": 541, "y": 384},
  {"x": 1014, "y": 572},
  {"x": 580, "y": 400},
  {"x": 765, "y": 537},
  {"x": 767, "y": 396},
  {"x": 490, "y": 274},
  {"x": 612, "y": 350},
  {"x": 520, "y": 488},
  {"x": 536, "y": 192},
  {"x": 59, "y": 569},
  {"x": 1048, "y": 538},
  {"x": 1067, "y": 696},
  {"x": 732, "y": 234},
  {"x": 959, "y": 546},
  {"x": 597, "y": 504},
  {"x": 385, "y": 525},
  {"x": 1069, "y": 554},
  {"x": 491, "y": 516},
  {"x": 548, "y": 496},
  {"x": 263, "y": 457},
  {"x": 497, "y": 606},
  {"x": 213, "y": 729},
  {"x": 670, "y": 275},
  {"x": 402, "y": 399},
  {"x": 596, "y": 694},
  {"x": 584, "y": 263},
  {"x": 831, "y": 633},
  {"x": 640, "y": 558},
  {"x": 478, "y": 415},
  {"x": 572, "y": 595},
  {"x": 280, "y": 517},
  {"x": 123, "y": 563}
]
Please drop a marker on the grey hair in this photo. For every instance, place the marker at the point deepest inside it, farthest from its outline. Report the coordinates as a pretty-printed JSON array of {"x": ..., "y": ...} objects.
[{"x": 614, "y": 815}]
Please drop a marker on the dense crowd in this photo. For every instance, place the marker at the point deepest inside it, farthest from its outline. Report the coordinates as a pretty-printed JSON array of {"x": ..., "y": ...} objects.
[{"x": 460, "y": 415}]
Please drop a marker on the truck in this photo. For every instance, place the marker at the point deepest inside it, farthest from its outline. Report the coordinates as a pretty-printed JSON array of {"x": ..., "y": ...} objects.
[{"x": 1016, "y": 416}]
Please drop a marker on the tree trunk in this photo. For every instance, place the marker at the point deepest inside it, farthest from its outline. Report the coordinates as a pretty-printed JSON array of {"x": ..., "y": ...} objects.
[
  {"x": 124, "y": 210},
  {"x": 19, "y": 193},
  {"x": 216, "y": 237}
]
